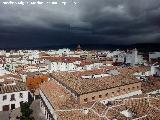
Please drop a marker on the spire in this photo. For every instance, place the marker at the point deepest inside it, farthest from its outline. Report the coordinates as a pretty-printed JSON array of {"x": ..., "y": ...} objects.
[{"x": 78, "y": 47}]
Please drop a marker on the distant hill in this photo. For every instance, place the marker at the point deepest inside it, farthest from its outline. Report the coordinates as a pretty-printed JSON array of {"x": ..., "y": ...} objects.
[
  {"x": 143, "y": 47},
  {"x": 147, "y": 47}
]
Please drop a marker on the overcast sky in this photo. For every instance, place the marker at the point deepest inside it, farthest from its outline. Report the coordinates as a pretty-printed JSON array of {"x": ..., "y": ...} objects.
[{"x": 87, "y": 22}]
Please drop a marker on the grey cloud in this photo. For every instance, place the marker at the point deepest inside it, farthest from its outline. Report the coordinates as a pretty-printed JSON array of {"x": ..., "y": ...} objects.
[{"x": 91, "y": 21}]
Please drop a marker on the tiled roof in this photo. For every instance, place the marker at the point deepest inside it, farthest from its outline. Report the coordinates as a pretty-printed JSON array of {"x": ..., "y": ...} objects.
[
  {"x": 67, "y": 108},
  {"x": 74, "y": 80},
  {"x": 13, "y": 88}
]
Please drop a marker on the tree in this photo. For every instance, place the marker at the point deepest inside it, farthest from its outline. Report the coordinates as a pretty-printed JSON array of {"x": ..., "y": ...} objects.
[{"x": 26, "y": 111}]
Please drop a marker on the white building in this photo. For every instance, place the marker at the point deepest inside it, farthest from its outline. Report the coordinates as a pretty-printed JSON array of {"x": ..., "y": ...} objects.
[
  {"x": 12, "y": 95},
  {"x": 154, "y": 55},
  {"x": 120, "y": 57},
  {"x": 61, "y": 66},
  {"x": 47, "y": 108},
  {"x": 155, "y": 70},
  {"x": 71, "y": 64},
  {"x": 131, "y": 57}
]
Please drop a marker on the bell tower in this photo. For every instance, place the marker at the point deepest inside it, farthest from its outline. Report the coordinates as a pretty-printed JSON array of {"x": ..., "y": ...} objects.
[{"x": 78, "y": 47}]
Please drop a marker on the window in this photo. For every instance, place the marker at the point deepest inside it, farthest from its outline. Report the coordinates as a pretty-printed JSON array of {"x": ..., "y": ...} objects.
[
  {"x": 21, "y": 95},
  {"x": 12, "y": 97},
  {"x": 106, "y": 94},
  {"x": 118, "y": 91},
  {"x": 128, "y": 89},
  {"x": 137, "y": 87},
  {"x": 124, "y": 90},
  {"x": 4, "y": 97},
  {"x": 100, "y": 96},
  {"x": 93, "y": 98},
  {"x": 86, "y": 99},
  {"x": 133, "y": 88}
]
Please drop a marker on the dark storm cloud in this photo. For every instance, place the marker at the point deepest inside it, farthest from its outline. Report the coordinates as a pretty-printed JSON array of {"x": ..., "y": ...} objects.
[{"x": 90, "y": 21}]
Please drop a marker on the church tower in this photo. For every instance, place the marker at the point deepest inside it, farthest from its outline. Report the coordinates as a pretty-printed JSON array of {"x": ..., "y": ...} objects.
[{"x": 79, "y": 47}]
